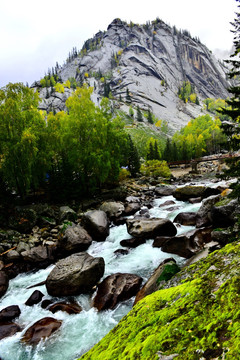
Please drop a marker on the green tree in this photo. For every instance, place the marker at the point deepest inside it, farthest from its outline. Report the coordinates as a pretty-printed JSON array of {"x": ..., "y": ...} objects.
[
  {"x": 149, "y": 117},
  {"x": 139, "y": 115},
  {"x": 92, "y": 140},
  {"x": 128, "y": 97},
  {"x": 234, "y": 105},
  {"x": 133, "y": 158},
  {"x": 22, "y": 138}
]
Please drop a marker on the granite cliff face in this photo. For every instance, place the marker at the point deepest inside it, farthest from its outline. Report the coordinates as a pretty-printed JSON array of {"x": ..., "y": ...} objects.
[{"x": 151, "y": 61}]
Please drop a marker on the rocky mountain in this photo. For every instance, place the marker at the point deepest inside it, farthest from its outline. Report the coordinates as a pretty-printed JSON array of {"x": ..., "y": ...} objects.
[{"x": 150, "y": 62}]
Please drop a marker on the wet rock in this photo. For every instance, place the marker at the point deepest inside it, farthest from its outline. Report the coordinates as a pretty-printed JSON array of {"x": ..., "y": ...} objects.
[
  {"x": 35, "y": 298},
  {"x": 150, "y": 228},
  {"x": 195, "y": 200},
  {"x": 96, "y": 223},
  {"x": 75, "y": 239},
  {"x": 132, "y": 208},
  {"x": 189, "y": 191},
  {"x": 204, "y": 216},
  {"x": 12, "y": 255},
  {"x": 40, "y": 330},
  {"x": 160, "y": 240},
  {"x": 8, "y": 329},
  {"x": 132, "y": 243},
  {"x": 39, "y": 254},
  {"x": 68, "y": 308},
  {"x": 112, "y": 209},
  {"x": 186, "y": 218},
  {"x": 116, "y": 288},
  {"x": 167, "y": 203},
  {"x": 74, "y": 275},
  {"x": 119, "y": 252},
  {"x": 165, "y": 190},
  {"x": 45, "y": 303},
  {"x": 9, "y": 313},
  {"x": 222, "y": 237},
  {"x": 66, "y": 214},
  {"x": 189, "y": 243},
  {"x": 4, "y": 282},
  {"x": 164, "y": 272},
  {"x": 223, "y": 213}
]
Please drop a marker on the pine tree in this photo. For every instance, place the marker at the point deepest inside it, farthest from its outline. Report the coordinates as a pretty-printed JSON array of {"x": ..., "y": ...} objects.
[
  {"x": 150, "y": 152},
  {"x": 133, "y": 160},
  {"x": 232, "y": 129},
  {"x": 139, "y": 114},
  {"x": 149, "y": 117},
  {"x": 156, "y": 151},
  {"x": 128, "y": 97}
]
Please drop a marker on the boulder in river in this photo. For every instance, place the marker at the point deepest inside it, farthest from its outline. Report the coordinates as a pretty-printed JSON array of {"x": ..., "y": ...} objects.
[
  {"x": 112, "y": 209},
  {"x": 204, "y": 216},
  {"x": 189, "y": 191},
  {"x": 9, "y": 313},
  {"x": 8, "y": 329},
  {"x": 74, "y": 239},
  {"x": 63, "y": 306},
  {"x": 40, "y": 330},
  {"x": 35, "y": 298},
  {"x": 186, "y": 218},
  {"x": 132, "y": 243},
  {"x": 97, "y": 224},
  {"x": 115, "y": 288},
  {"x": 4, "y": 282},
  {"x": 150, "y": 228},
  {"x": 74, "y": 275},
  {"x": 188, "y": 243},
  {"x": 165, "y": 190}
]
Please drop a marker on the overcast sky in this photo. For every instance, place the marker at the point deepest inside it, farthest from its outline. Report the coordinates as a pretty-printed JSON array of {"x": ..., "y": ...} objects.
[{"x": 34, "y": 35}]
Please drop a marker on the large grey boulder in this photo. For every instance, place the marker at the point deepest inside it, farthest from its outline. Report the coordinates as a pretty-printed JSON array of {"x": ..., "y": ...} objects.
[
  {"x": 204, "y": 216},
  {"x": 97, "y": 224},
  {"x": 188, "y": 243},
  {"x": 74, "y": 275},
  {"x": 223, "y": 213},
  {"x": 112, "y": 209},
  {"x": 115, "y": 288},
  {"x": 75, "y": 239},
  {"x": 165, "y": 190},
  {"x": 187, "y": 192},
  {"x": 150, "y": 228}
]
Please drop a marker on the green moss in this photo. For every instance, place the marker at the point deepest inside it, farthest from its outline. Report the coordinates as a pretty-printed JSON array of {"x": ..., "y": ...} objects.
[
  {"x": 197, "y": 317},
  {"x": 168, "y": 272},
  {"x": 223, "y": 202}
]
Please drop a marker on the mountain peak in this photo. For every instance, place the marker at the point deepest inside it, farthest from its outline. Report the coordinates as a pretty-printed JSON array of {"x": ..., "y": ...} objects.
[{"x": 152, "y": 61}]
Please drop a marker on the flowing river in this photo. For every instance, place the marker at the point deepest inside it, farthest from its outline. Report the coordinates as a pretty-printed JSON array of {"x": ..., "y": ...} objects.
[{"x": 79, "y": 332}]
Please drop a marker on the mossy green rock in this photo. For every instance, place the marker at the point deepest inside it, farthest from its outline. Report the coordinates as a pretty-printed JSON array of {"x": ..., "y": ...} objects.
[
  {"x": 196, "y": 315},
  {"x": 186, "y": 192}
]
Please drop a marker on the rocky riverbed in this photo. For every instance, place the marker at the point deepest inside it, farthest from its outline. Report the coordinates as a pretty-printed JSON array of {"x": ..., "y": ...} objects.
[{"x": 37, "y": 235}]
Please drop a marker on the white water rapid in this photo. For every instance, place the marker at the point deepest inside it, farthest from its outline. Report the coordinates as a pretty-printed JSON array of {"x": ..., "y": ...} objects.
[{"x": 80, "y": 332}]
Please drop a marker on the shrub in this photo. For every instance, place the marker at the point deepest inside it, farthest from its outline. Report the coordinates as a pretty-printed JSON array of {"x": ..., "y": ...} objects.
[{"x": 156, "y": 168}]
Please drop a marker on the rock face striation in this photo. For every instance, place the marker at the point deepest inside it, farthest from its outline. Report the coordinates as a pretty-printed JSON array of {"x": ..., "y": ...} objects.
[{"x": 151, "y": 61}]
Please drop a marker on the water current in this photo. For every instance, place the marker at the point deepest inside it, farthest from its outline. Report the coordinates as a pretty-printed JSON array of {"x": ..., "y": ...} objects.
[{"x": 80, "y": 332}]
